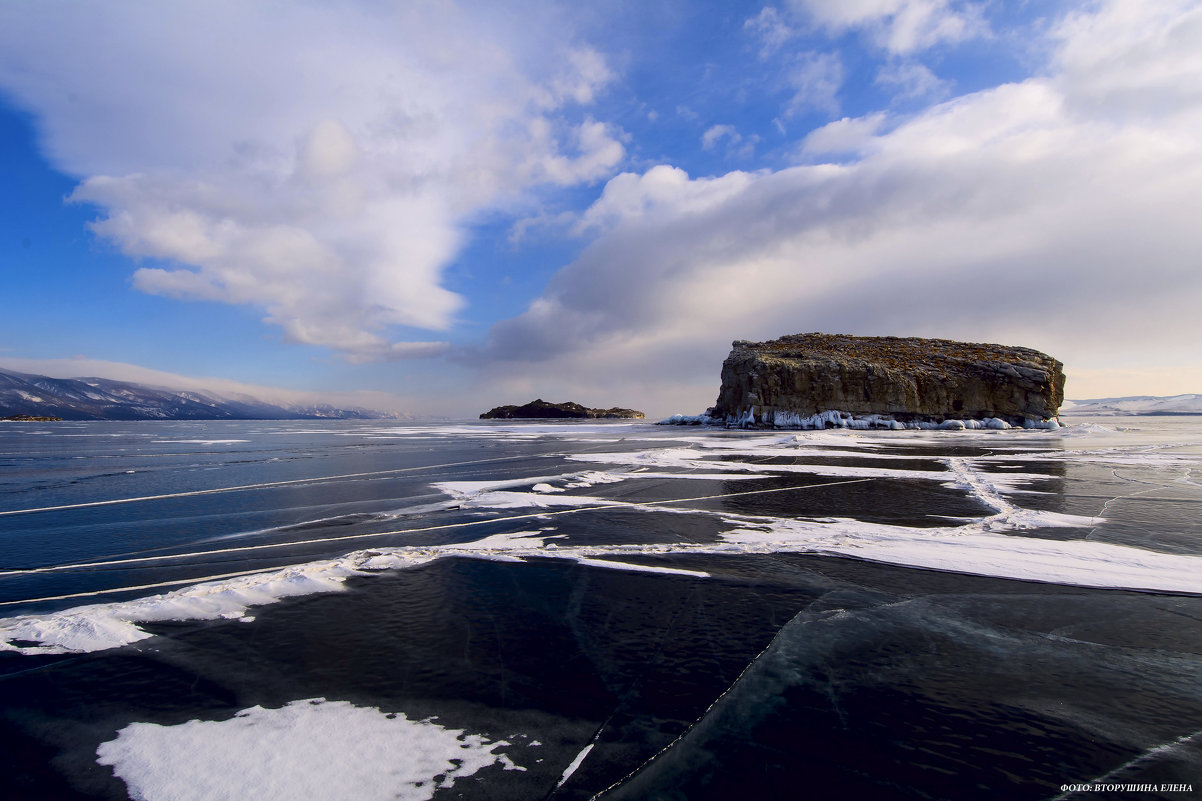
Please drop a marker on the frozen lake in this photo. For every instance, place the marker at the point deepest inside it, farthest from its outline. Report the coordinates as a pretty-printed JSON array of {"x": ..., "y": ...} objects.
[{"x": 565, "y": 610}]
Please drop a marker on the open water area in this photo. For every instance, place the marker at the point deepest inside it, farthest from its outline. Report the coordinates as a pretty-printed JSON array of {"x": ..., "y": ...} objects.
[{"x": 611, "y": 610}]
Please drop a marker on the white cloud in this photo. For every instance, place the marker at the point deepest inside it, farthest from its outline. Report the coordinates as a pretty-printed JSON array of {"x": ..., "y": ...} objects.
[
  {"x": 737, "y": 145},
  {"x": 661, "y": 194},
  {"x": 587, "y": 74},
  {"x": 846, "y": 135},
  {"x": 597, "y": 153},
  {"x": 910, "y": 80},
  {"x": 717, "y": 132},
  {"x": 318, "y": 162},
  {"x": 898, "y": 26},
  {"x": 1056, "y": 213},
  {"x": 771, "y": 29},
  {"x": 1154, "y": 70},
  {"x": 815, "y": 79}
]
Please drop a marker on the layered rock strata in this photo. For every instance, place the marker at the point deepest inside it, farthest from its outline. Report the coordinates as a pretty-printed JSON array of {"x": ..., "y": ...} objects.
[
  {"x": 829, "y": 380},
  {"x": 539, "y": 408}
]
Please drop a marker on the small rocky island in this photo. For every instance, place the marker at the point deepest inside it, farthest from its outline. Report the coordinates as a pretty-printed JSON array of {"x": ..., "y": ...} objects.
[
  {"x": 836, "y": 380},
  {"x": 540, "y": 409}
]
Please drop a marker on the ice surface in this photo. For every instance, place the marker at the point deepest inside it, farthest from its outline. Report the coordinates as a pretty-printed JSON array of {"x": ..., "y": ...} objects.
[
  {"x": 983, "y": 545},
  {"x": 499, "y": 494},
  {"x": 310, "y": 749},
  {"x": 200, "y": 441},
  {"x": 608, "y": 431},
  {"x": 692, "y": 459}
]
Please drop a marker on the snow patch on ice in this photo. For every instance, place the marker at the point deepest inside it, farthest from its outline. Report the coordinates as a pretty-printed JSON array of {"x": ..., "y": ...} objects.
[
  {"x": 499, "y": 494},
  {"x": 637, "y": 568},
  {"x": 978, "y": 550},
  {"x": 1084, "y": 429},
  {"x": 100, "y": 626},
  {"x": 688, "y": 459},
  {"x": 308, "y": 749},
  {"x": 200, "y": 441}
]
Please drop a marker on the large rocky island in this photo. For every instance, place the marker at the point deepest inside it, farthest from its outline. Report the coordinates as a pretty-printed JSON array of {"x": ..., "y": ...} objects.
[
  {"x": 539, "y": 408},
  {"x": 835, "y": 380}
]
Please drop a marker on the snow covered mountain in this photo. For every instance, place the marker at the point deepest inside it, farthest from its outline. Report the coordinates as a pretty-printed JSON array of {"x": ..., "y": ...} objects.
[
  {"x": 105, "y": 399},
  {"x": 1137, "y": 404}
]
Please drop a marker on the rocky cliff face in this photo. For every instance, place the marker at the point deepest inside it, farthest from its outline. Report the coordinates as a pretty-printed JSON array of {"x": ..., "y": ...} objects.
[{"x": 806, "y": 380}]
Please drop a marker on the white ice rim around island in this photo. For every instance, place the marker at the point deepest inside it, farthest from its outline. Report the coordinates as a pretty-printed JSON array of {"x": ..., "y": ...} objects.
[
  {"x": 984, "y": 546},
  {"x": 833, "y": 418}
]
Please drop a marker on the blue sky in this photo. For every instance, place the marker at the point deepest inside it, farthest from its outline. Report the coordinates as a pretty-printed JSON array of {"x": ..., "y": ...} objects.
[{"x": 440, "y": 207}]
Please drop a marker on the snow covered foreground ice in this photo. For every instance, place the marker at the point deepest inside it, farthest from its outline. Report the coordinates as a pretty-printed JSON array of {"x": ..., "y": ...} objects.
[
  {"x": 714, "y": 614},
  {"x": 308, "y": 750}
]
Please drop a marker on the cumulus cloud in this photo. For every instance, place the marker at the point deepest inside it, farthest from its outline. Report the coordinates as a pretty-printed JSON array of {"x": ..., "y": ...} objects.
[
  {"x": 910, "y": 80},
  {"x": 318, "y": 162},
  {"x": 898, "y": 26},
  {"x": 771, "y": 29},
  {"x": 812, "y": 78},
  {"x": 715, "y": 133},
  {"x": 659, "y": 196},
  {"x": 844, "y": 136},
  {"x": 1155, "y": 68},
  {"x": 815, "y": 79},
  {"x": 1057, "y": 213}
]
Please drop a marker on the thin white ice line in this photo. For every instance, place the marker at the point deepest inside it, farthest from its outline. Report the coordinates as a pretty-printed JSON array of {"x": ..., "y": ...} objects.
[
  {"x": 444, "y": 526},
  {"x": 1102, "y": 512},
  {"x": 200, "y": 580},
  {"x": 265, "y": 485},
  {"x": 1187, "y": 478},
  {"x": 575, "y": 764},
  {"x": 680, "y": 737}
]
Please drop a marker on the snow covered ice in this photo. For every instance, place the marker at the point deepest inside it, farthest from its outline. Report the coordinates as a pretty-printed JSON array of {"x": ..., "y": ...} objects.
[{"x": 596, "y": 588}]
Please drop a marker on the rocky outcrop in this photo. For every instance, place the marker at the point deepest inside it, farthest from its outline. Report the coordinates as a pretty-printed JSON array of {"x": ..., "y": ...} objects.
[
  {"x": 540, "y": 408},
  {"x": 823, "y": 380}
]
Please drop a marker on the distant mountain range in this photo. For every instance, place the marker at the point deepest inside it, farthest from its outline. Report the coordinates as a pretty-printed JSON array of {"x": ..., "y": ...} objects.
[
  {"x": 1136, "y": 404},
  {"x": 105, "y": 399}
]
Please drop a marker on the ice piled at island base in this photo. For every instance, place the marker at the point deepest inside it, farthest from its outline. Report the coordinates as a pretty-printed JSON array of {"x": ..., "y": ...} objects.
[
  {"x": 833, "y": 418},
  {"x": 689, "y": 420},
  {"x": 308, "y": 750}
]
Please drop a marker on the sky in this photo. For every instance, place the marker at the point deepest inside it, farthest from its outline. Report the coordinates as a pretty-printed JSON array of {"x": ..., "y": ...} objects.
[{"x": 441, "y": 207}]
